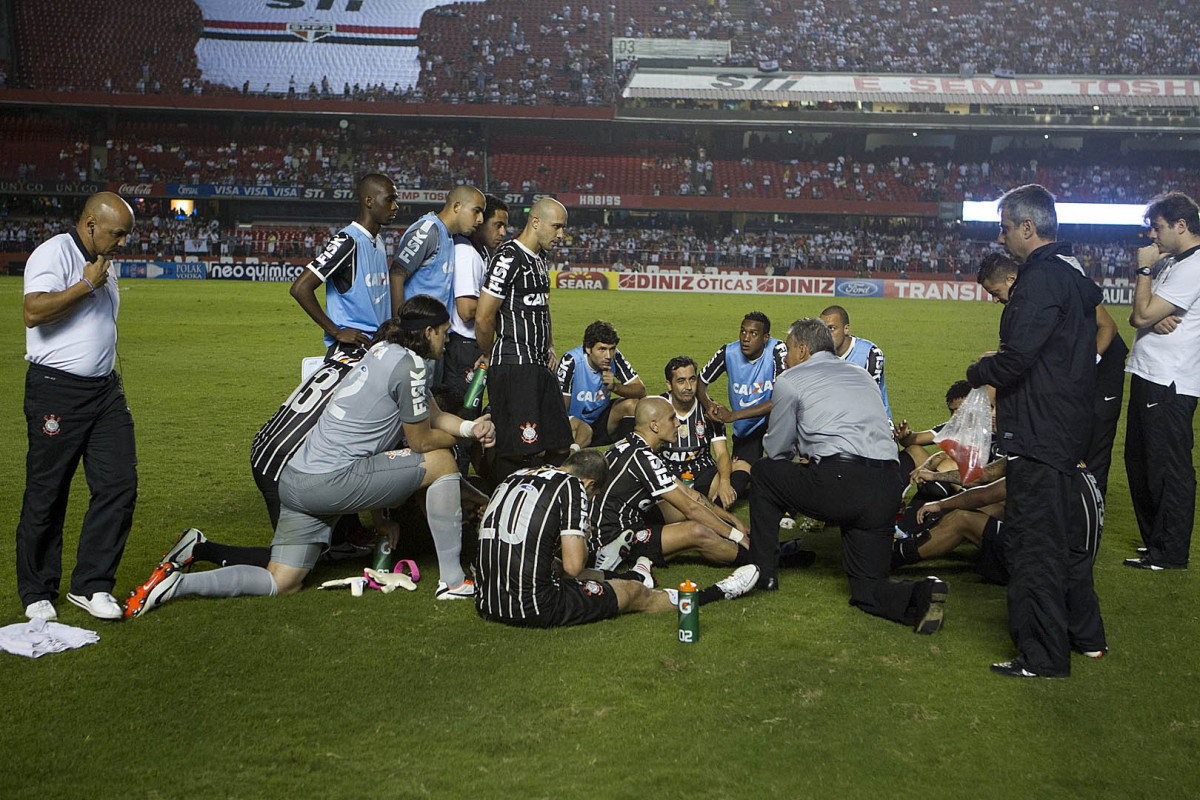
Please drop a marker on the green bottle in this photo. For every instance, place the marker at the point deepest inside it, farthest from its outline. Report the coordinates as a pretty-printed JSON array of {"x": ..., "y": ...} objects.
[
  {"x": 382, "y": 559},
  {"x": 474, "y": 398},
  {"x": 689, "y": 613}
]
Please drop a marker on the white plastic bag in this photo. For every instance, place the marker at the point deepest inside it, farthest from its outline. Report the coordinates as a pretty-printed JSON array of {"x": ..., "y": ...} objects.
[{"x": 967, "y": 436}]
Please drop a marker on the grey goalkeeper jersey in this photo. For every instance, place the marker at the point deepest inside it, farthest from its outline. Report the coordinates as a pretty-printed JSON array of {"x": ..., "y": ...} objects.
[{"x": 388, "y": 388}]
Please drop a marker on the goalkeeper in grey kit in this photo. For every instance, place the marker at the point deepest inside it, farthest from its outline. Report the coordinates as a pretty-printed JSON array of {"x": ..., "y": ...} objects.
[{"x": 347, "y": 465}]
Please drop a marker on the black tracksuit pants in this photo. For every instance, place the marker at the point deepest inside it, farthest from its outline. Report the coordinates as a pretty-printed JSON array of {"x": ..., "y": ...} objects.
[
  {"x": 1158, "y": 462},
  {"x": 71, "y": 418}
]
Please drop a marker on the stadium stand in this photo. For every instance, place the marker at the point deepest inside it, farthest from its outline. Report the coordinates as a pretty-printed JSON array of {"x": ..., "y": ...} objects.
[{"x": 545, "y": 52}]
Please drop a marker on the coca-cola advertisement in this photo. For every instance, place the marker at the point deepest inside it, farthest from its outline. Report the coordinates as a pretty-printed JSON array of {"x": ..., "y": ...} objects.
[{"x": 138, "y": 189}]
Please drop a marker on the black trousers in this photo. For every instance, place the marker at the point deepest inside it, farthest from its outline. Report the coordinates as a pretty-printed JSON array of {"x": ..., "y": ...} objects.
[
  {"x": 1158, "y": 462},
  {"x": 862, "y": 499},
  {"x": 459, "y": 360},
  {"x": 1050, "y": 593},
  {"x": 71, "y": 418},
  {"x": 1104, "y": 433}
]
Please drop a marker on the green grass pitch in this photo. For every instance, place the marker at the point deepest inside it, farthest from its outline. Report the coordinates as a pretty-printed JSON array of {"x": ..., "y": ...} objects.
[{"x": 790, "y": 694}]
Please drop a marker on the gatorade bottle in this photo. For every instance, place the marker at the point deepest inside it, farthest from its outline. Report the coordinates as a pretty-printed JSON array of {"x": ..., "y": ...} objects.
[
  {"x": 689, "y": 613},
  {"x": 474, "y": 397},
  {"x": 382, "y": 559}
]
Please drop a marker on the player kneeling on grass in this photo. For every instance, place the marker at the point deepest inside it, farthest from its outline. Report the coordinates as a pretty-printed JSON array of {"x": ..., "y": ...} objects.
[
  {"x": 537, "y": 514},
  {"x": 625, "y": 517},
  {"x": 345, "y": 466}
]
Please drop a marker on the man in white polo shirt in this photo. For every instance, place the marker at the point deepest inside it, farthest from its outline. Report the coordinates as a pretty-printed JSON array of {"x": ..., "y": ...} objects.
[
  {"x": 1165, "y": 383},
  {"x": 75, "y": 408}
]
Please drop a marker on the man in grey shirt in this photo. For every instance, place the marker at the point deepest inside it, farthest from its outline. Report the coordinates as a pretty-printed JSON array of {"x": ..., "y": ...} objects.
[
  {"x": 830, "y": 413},
  {"x": 346, "y": 465}
]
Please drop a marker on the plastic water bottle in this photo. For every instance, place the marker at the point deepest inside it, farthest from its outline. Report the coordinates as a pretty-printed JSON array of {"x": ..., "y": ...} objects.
[
  {"x": 474, "y": 397},
  {"x": 689, "y": 613}
]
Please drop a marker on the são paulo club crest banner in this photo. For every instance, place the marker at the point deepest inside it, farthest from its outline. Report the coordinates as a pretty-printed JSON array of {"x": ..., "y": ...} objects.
[{"x": 268, "y": 42}]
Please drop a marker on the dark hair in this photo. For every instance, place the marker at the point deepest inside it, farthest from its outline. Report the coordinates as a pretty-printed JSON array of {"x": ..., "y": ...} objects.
[
  {"x": 1034, "y": 203},
  {"x": 492, "y": 204},
  {"x": 812, "y": 332},
  {"x": 600, "y": 331},
  {"x": 1172, "y": 207},
  {"x": 679, "y": 362},
  {"x": 416, "y": 309},
  {"x": 389, "y": 331},
  {"x": 758, "y": 316},
  {"x": 371, "y": 181},
  {"x": 995, "y": 265},
  {"x": 841, "y": 312},
  {"x": 957, "y": 391},
  {"x": 588, "y": 464}
]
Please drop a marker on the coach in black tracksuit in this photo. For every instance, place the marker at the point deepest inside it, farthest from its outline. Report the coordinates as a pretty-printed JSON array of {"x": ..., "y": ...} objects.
[{"x": 1045, "y": 376}]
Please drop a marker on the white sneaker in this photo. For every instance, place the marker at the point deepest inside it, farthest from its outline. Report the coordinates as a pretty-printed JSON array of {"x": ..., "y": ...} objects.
[
  {"x": 609, "y": 557},
  {"x": 100, "y": 605},
  {"x": 643, "y": 569},
  {"x": 42, "y": 609},
  {"x": 464, "y": 591},
  {"x": 740, "y": 581}
]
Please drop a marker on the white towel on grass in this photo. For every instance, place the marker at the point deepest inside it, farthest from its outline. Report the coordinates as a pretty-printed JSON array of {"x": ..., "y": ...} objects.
[{"x": 38, "y": 637}]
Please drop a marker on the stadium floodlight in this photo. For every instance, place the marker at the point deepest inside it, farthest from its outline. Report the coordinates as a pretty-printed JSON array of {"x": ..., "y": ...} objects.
[{"x": 1068, "y": 213}]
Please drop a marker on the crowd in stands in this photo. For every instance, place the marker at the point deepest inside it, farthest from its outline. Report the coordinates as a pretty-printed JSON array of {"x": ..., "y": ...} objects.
[
  {"x": 863, "y": 247},
  {"x": 547, "y": 52},
  {"x": 279, "y": 155}
]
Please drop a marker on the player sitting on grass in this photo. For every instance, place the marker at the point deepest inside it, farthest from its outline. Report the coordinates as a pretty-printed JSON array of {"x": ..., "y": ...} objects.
[
  {"x": 625, "y": 519},
  {"x": 977, "y": 515},
  {"x": 599, "y": 387},
  {"x": 699, "y": 456},
  {"x": 345, "y": 466},
  {"x": 532, "y": 555}
]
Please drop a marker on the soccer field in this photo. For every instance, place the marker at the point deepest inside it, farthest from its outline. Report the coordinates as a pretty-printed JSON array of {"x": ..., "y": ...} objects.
[{"x": 792, "y": 693}]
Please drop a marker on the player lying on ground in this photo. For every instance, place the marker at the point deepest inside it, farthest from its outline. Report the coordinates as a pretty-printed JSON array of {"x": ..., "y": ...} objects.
[
  {"x": 532, "y": 555},
  {"x": 345, "y": 466},
  {"x": 977, "y": 516}
]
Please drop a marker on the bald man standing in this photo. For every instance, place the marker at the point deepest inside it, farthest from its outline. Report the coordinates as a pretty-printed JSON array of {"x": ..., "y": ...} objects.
[
  {"x": 424, "y": 260},
  {"x": 512, "y": 329},
  {"x": 75, "y": 408}
]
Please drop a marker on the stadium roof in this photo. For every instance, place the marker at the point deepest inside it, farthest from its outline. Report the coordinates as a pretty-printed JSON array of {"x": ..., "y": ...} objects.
[{"x": 1106, "y": 91}]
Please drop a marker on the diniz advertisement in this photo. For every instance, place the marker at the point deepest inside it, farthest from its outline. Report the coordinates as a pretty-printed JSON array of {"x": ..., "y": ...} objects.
[{"x": 761, "y": 284}]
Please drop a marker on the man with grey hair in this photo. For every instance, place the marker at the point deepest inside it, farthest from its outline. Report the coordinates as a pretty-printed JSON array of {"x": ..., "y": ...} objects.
[
  {"x": 830, "y": 413},
  {"x": 1044, "y": 374}
]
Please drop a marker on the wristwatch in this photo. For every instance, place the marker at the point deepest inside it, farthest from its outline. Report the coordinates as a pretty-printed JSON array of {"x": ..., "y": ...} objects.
[{"x": 1144, "y": 271}]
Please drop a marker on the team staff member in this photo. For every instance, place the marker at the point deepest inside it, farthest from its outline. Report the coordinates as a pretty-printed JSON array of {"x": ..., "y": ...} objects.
[
  {"x": 347, "y": 465},
  {"x": 699, "y": 457},
  {"x": 830, "y": 412},
  {"x": 855, "y": 349},
  {"x": 75, "y": 408},
  {"x": 752, "y": 363},
  {"x": 471, "y": 256},
  {"x": 1165, "y": 384},
  {"x": 512, "y": 328},
  {"x": 1045, "y": 378},
  {"x": 996, "y": 275},
  {"x": 354, "y": 268},
  {"x": 425, "y": 255},
  {"x": 592, "y": 377}
]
